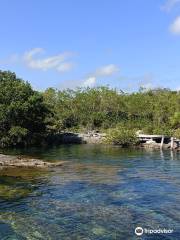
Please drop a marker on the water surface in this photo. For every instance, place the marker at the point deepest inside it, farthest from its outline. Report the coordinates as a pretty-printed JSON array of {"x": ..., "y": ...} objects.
[{"x": 101, "y": 193}]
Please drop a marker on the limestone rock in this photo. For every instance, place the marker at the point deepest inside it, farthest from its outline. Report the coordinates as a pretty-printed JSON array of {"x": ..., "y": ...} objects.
[{"x": 15, "y": 161}]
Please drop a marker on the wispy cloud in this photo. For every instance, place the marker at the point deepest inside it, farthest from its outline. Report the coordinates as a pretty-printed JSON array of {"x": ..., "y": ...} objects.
[
  {"x": 58, "y": 62},
  {"x": 64, "y": 67},
  {"x": 104, "y": 71},
  {"x": 175, "y": 26},
  {"x": 145, "y": 81},
  {"x": 89, "y": 82},
  {"x": 107, "y": 70},
  {"x": 35, "y": 59},
  {"x": 169, "y": 4}
]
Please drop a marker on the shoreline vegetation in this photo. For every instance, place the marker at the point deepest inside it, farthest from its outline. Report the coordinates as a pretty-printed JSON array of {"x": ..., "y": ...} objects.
[{"x": 32, "y": 118}]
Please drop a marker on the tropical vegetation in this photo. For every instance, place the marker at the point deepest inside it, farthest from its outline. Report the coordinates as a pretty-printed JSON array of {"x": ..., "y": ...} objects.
[{"x": 29, "y": 117}]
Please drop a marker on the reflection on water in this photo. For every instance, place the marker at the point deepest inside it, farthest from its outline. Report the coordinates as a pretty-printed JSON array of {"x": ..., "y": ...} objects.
[{"x": 101, "y": 193}]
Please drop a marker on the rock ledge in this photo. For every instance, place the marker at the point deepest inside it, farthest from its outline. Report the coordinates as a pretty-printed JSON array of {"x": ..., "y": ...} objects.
[{"x": 18, "y": 161}]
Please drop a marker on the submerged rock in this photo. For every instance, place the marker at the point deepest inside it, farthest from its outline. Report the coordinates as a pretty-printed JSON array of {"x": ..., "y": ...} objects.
[
  {"x": 16, "y": 161},
  {"x": 10, "y": 192},
  {"x": 100, "y": 231}
]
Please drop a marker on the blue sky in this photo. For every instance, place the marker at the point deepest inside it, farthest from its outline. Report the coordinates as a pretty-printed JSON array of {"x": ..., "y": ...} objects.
[{"x": 70, "y": 43}]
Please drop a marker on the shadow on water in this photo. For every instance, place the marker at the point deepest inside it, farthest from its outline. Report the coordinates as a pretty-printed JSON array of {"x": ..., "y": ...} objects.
[{"x": 102, "y": 193}]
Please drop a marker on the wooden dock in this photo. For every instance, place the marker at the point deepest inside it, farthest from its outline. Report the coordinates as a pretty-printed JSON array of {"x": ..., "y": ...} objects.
[{"x": 146, "y": 138}]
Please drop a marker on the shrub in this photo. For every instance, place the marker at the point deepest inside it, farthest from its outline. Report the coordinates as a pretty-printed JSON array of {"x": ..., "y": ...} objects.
[
  {"x": 177, "y": 133},
  {"x": 121, "y": 136},
  {"x": 163, "y": 130},
  {"x": 17, "y": 135}
]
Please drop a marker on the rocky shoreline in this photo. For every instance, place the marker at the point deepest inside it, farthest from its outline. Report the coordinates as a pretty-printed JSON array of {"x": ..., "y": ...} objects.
[
  {"x": 18, "y": 161},
  {"x": 99, "y": 138}
]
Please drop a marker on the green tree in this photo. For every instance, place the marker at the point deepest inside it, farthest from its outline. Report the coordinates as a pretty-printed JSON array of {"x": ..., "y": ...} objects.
[{"x": 22, "y": 112}]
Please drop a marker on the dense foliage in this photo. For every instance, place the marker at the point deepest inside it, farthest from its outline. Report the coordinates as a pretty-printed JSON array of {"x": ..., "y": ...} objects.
[
  {"x": 22, "y": 112},
  {"x": 121, "y": 136},
  {"x": 27, "y": 117},
  {"x": 154, "y": 111}
]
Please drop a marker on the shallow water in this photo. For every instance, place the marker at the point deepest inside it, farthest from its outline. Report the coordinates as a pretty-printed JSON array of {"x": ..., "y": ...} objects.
[{"x": 101, "y": 193}]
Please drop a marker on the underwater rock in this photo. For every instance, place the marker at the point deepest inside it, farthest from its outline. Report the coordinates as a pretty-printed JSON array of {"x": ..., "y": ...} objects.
[
  {"x": 100, "y": 231},
  {"x": 9, "y": 192},
  {"x": 17, "y": 161}
]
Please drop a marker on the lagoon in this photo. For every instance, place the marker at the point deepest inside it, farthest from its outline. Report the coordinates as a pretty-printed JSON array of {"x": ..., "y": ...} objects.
[{"x": 100, "y": 193}]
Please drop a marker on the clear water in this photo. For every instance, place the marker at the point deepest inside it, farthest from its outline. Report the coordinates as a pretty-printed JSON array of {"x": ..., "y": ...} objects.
[{"x": 100, "y": 193}]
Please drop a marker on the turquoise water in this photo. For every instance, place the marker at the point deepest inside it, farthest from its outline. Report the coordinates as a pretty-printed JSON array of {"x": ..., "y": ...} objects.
[{"x": 100, "y": 193}]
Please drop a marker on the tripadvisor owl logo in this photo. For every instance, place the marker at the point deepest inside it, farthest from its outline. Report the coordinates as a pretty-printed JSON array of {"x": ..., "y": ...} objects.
[{"x": 139, "y": 231}]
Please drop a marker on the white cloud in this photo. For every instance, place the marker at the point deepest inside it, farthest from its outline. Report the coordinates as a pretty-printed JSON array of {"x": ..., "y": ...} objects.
[
  {"x": 169, "y": 4},
  {"x": 74, "y": 83},
  {"x": 63, "y": 67},
  {"x": 34, "y": 59},
  {"x": 29, "y": 54},
  {"x": 89, "y": 82},
  {"x": 104, "y": 71},
  {"x": 58, "y": 62},
  {"x": 107, "y": 70},
  {"x": 175, "y": 26},
  {"x": 91, "y": 79}
]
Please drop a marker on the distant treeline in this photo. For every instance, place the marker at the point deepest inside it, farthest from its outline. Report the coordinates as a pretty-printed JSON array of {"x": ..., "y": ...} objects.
[{"x": 28, "y": 117}]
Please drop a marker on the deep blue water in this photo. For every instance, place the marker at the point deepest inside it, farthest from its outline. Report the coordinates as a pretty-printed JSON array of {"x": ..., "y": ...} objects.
[{"x": 100, "y": 193}]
